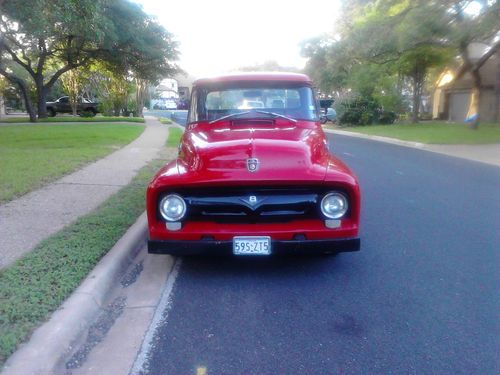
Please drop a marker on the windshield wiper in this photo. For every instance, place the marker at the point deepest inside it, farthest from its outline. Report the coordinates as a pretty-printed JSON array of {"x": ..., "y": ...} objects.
[
  {"x": 228, "y": 116},
  {"x": 277, "y": 115}
]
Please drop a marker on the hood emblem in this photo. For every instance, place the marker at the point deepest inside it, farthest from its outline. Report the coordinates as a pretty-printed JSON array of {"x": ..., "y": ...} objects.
[
  {"x": 253, "y": 164},
  {"x": 252, "y": 201}
]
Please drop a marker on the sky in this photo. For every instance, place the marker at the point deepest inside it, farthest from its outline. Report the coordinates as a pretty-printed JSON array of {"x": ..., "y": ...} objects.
[{"x": 219, "y": 36}]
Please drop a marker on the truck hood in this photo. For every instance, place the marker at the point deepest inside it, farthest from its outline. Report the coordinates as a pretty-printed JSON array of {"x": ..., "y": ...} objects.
[{"x": 284, "y": 151}]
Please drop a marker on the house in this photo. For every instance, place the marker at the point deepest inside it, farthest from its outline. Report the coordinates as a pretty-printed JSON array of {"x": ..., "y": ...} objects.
[
  {"x": 453, "y": 95},
  {"x": 165, "y": 94}
]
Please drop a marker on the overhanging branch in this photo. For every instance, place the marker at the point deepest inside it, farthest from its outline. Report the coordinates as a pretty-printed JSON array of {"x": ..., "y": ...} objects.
[{"x": 16, "y": 58}]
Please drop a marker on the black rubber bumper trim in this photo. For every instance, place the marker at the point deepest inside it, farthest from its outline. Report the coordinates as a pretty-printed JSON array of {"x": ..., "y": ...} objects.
[{"x": 212, "y": 247}]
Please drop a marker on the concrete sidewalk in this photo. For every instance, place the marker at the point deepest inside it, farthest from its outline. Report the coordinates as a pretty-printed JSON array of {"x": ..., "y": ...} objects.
[
  {"x": 489, "y": 153},
  {"x": 26, "y": 221}
]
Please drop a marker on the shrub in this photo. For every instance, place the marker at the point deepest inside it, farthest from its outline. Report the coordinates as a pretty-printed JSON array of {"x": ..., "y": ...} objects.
[
  {"x": 106, "y": 107},
  {"x": 387, "y": 117},
  {"x": 87, "y": 114},
  {"x": 360, "y": 111},
  {"x": 363, "y": 111}
]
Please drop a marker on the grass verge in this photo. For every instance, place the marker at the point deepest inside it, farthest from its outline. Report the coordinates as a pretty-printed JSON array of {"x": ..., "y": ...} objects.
[
  {"x": 434, "y": 132},
  {"x": 15, "y": 120},
  {"x": 36, "y": 285},
  {"x": 33, "y": 155},
  {"x": 165, "y": 121},
  {"x": 174, "y": 136}
]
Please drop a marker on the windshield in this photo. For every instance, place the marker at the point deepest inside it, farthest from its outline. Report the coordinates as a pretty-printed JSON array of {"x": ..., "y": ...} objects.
[{"x": 293, "y": 102}]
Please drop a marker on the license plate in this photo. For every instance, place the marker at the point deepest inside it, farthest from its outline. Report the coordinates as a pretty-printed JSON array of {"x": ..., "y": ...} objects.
[{"x": 251, "y": 245}]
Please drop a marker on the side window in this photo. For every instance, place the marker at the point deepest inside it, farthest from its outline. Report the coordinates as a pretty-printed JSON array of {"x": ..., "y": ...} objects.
[
  {"x": 64, "y": 100},
  {"x": 193, "y": 113}
]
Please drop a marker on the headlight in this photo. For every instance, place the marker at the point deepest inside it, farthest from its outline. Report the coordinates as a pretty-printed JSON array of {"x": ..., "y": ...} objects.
[
  {"x": 172, "y": 207},
  {"x": 334, "y": 205}
]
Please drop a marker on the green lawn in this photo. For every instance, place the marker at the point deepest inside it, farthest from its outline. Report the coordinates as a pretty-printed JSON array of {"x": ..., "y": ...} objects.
[
  {"x": 36, "y": 285},
  {"x": 15, "y": 120},
  {"x": 33, "y": 155},
  {"x": 174, "y": 136},
  {"x": 434, "y": 132}
]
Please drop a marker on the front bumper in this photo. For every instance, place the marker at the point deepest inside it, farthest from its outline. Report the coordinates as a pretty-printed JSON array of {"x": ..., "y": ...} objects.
[{"x": 213, "y": 247}]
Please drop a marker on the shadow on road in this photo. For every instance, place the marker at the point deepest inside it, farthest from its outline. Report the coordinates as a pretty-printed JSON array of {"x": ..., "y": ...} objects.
[{"x": 269, "y": 267}]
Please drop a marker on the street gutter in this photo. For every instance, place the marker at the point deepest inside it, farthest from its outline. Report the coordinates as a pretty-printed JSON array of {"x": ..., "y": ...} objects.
[{"x": 487, "y": 153}]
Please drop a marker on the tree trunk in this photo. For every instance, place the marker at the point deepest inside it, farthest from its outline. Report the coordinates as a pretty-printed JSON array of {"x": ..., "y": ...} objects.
[
  {"x": 418, "y": 77},
  {"x": 476, "y": 87},
  {"x": 140, "y": 95},
  {"x": 27, "y": 102},
  {"x": 416, "y": 108},
  {"x": 24, "y": 92},
  {"x": 2, "y": 106},
  {"x": 41, "y": 93},
  {"x": 417, "y": 94}
]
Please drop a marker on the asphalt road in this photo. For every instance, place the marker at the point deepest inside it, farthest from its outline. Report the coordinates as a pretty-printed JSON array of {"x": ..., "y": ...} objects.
[{"x": 422, "y": 296}]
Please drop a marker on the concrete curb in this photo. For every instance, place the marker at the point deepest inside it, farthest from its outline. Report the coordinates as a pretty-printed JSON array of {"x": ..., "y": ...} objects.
[
  {"x": 377, "y": 138},
  {"x": 50, "y": 342}
]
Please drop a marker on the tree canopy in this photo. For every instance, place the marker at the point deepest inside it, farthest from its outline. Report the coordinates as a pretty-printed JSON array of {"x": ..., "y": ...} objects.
[
  {"x": 401, "y": 39},
  {"x": 47, "y": 38}
]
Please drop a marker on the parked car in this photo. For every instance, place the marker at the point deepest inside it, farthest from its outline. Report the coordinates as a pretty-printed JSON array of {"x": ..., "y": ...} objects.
[
  {"x": 256, "y": 181},
  {"x": 329, "y": 115},
  {"x": 170, "y": 104},
  {"x": 165, "y": 104},
  {"x": 63, "y": 105},
  {"x": 183, "y": 104}
]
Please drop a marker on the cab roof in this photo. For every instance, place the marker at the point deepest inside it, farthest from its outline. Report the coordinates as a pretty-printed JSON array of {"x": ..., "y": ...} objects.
[{"x": 255, "y": 76}]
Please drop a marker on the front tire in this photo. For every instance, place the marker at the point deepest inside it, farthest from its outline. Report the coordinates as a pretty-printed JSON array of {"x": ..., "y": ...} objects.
[{"x": 51, "y": 112}]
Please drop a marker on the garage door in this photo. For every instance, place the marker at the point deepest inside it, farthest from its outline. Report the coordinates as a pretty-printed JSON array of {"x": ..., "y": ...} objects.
[{"x": 459, "y": 105}]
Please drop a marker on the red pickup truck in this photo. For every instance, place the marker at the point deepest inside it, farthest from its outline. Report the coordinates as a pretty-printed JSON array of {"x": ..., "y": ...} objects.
[{"x": 253, "y": 179}]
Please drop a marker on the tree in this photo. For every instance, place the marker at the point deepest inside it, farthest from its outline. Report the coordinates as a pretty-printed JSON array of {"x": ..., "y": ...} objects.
[
  {"x": 68, "y": 34},
  {"x": 72, "y": 82},
  {"x": 59, "y": 34},
  {"x": 466, "y": 27},
  {"x": 16, "y": 77},
  {"x": 401, "y": 34},
  {"x": 409, "y": 37}
]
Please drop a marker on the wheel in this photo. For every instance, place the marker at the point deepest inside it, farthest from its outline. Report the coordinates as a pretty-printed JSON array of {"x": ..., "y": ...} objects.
[{"x": 52, "y": 112}]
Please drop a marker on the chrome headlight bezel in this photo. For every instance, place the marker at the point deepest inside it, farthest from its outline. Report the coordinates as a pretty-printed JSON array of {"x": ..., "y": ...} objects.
[
  {"x": 341, "y": 212},
  {"x": 172, "y": 216}
]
